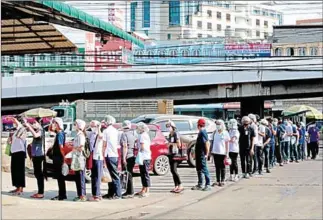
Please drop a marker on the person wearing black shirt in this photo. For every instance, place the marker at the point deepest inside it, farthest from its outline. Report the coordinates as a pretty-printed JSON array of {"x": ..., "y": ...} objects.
[{"x": 246, "y": 144}]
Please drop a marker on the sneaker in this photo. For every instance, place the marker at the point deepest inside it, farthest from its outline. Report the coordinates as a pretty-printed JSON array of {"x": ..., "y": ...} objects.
[
  {"x": 80, "y": 199},
  {"x": 260, "y": 173},
  {"x": 250, "y": 175},
  {"x": 207, "y": 188},
  {"x": 222, "y": 184},
  {"x": 197, "y": 187},
  {"x": 95, "y": 199},
  {"x": 144, "y": 195},
  {"x": 268, "y": 171},
  {"x": 297, "y": 161},
  {"x": 281, "y": 165},
  {"x": 58, "y": 198},
  {"x": 215, "y": 184},
  {"x": 231, "y": 178},
  {"x": 236, "y": 178}
]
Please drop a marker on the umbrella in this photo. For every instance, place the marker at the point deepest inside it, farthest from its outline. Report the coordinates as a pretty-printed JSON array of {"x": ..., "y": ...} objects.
[
  {"x": 39, "y": 113},
  {"x": 310, "y": 112}
]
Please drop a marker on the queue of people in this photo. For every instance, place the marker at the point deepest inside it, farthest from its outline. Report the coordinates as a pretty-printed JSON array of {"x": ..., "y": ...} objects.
[{"x": 267, "y": 143}]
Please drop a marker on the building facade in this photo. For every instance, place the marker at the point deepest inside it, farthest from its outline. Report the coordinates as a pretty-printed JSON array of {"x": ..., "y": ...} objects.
[
  {"x": 172, "y": 20},
  {"x": 297, "y": 40}
]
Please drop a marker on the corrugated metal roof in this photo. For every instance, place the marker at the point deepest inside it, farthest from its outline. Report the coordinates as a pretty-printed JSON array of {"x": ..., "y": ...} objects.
[
  {"x": 298, "y": 34},
  {"x": 21, "y": 36}
]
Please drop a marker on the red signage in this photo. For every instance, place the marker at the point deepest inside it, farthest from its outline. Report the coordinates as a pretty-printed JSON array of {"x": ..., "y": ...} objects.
[
  {"x": 248, "y": 46},
  {"x": 236, "y": 105}
]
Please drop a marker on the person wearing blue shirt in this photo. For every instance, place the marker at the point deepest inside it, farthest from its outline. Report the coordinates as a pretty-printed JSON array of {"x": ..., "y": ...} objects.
[
  {"x": 202, "y": 149},
  {"x": 59, "y": 157},
  {"x": 301, "y": 143},
  {"x": 293, "y": 144},
  {"x": 272, "y": 143}
]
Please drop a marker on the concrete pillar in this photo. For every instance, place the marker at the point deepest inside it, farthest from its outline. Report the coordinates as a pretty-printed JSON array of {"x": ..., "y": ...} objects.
[{"x": 252, "y": 105}]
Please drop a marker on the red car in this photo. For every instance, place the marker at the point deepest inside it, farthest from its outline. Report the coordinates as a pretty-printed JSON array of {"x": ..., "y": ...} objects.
[{"x": 159, "y": 150}]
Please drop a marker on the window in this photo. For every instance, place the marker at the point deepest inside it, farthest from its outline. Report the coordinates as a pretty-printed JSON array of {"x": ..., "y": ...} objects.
[
  {"x": 218, "y": 27},
  {"x": 169, "y": 36},
  {"x": 173, "y": 53},
  {"x": 11, "y": 58},
  {"x": 266, "y": 23},
  {"x": 146, "y": 14},
  {"x": 278, "y": 52},
  {"x": 209, "y": 13},
  {"x": 302, "y": 51},
  {"x": 266, "y": 35},
  {"x": 133, "y": 7},
  {"x": 185, "y": 53},
  {"x": 209, "y": 26},
  {"x": 218, "y": 15},
  {"x": 314, "y": 51},
  {"x": 290, "y": 51},
  {"x": 182, "y": 125},
  {"x": 63, "y": 61},
  {"x": 209, "y": 36},
  {"x": 257, "y": 22},
  {"x": 174, "y": 13},
  {"x": 42, "y": 57},
  {"x": 258, "y": 33},
  {"x": 199, "y": 24},
  {"x": 52, "y": 58},
  {"x": 199, "y": 35},
  {"x": 228, "y": 17}
]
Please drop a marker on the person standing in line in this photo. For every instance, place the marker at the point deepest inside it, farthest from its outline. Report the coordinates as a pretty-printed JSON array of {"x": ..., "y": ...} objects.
[
  {"x": 257, "y": 144},
  {"x": 144, "y": 148},
  {"x": 18, "y": 157},
  {"x": 314, "y": 138},
  {"x": 266, "y": 141},
  {"x": 220, "y": 150},
  {"x": 272, "y": 125},
  {"x": 110, "y": 152},
  {"x": 279, "y": 138},
  {"x": 234, "y": 149},
  {"x": 96, "y": 145},
  {"x": 79, "y": 145},
  {"x": 37, "y": 153},
  {"x": 202, "y": 150},
  {"x": 289, "y": 134},
  {"x": 174, "y": 144},
  {"x": 284, "y": 135},
  {"x": 59, "y": 157},
  {"x": 301, "y": 143},
  {"x": 128, "y": 141},
  {"x": 259, "y": 149},
  {"x": 246, "y": 146},
  {"x": 294, "y": 143}
]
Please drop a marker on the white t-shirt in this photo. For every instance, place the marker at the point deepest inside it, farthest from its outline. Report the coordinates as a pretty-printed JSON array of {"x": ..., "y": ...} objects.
[
  {"x": 289, "y": 130},
  {"x": 262, "y": 129},
  {"x": 97, "y": 151},
  {"x": 145, "y": 139},
  {"x": 234, "y": 147},
  {"x": 79, "y": 139},
  {"x": 111, "y": 135},
  {"x": 255, "y": 128},
  {"x": 219, "y": 140}
]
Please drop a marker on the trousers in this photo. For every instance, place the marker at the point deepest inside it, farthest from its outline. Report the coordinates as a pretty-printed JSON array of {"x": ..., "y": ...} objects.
[
  {"x": 202, "y": 170},
  {"x": 259, "y": 152},
  {"x": 285, "y": 150},
  {"x": 114, "y": 186},
  {"x": 266, "y": 154},
  {"x": 18, "y": 169},
  {"x": 131, "y": 161},
  {"x": 80, "y": 183},
  {"x": 144, "y": 173},
  {"x": 234, "y": 165},
  {"x": 219, "y": 167},
  {"x": 57, "y": 163},
  {"x": 245, "y": 160},
  {"x": 38, "y": 172},
  {"x": 173, "y": 169},
  {"x": 96, "y": 175}
]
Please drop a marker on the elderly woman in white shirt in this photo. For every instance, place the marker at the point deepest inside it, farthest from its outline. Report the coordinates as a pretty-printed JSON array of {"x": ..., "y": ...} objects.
[
  {"x": 96, "y": 142},
  {"x": 220, "y": 150},
  {"x": 144, "y": 150},
  {"x": 18, "y": 157},
  {"x": 234, "y": 148},
  {"x": 79, "y": 144}
]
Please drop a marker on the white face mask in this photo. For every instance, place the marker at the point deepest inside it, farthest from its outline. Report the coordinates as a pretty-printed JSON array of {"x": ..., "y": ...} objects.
[
  {"x": 94, "y": 129},
  {"x": 170, "y": 129},
  {"x": 218, "y": 127}
]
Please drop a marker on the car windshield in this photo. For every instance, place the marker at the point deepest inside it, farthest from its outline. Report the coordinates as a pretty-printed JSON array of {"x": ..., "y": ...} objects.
[
  {"x": 144, "y": 120},
  {"x": 151, "y": 133}
]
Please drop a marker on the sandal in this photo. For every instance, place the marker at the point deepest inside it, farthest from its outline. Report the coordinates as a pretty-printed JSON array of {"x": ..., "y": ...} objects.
[
  {"x": 13, "y": 191},
  {"x": 138, "y": 193},
  {"x": 179, "y": 190},
  {"x": 18, "y": 193},
  {"x": 37, "y": 196}
]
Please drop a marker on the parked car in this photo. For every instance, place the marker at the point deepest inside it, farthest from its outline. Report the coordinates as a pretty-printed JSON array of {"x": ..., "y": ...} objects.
[
  {"x": 186, "y": 126},
  {"x": 159, "y": 150}
]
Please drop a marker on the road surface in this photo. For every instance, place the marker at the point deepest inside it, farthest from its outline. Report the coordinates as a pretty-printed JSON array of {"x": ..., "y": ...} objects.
[{"x": 290, "y": 192}]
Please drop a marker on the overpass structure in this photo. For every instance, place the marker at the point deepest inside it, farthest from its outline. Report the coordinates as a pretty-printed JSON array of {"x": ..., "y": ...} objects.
[{"x": 250, "y": 82}]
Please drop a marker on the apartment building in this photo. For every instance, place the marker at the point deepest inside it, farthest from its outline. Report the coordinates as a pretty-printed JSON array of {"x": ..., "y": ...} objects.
[
  {"x": 297, "y": 40},
  {"x": 171, "y": 20}
]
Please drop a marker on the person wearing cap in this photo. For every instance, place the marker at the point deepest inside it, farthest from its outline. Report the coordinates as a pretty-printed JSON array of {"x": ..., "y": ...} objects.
[
  {"x": 246, "y": 146},
  {"x": 110, "y": 149},
  {"x": 59, "y": 157},
  {"x": 220, "y": 150},
  {"x": 127, "y": 143},
  {"x": 202, "y": 151},
  {"x": 18, "y": 157},
  {"x": 234, "y": 148},
  {"x": 144, "y": 148},
  {"x": 96, "y": 145},
  {"x": 78, "y": 146},
  {"x": 37, "y": 153},
  {"x": 174, "y": 144}
]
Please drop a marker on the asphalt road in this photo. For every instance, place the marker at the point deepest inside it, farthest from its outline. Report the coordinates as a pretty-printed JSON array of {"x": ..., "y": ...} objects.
[{"x": 290, "y": 192}]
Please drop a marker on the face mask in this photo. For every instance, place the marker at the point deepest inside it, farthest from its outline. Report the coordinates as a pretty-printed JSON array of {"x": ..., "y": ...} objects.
[
  {"x": 94, "y": 129},
  {"x": 218, "y": 127},
  {"x": 170, "y": 129},
  {"x": 285, "y": 123},
  {"x": 275, "y": 123}
]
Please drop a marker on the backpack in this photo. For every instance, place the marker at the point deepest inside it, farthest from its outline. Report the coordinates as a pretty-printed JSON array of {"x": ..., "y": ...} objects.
[{"x": 87, "y": 148}]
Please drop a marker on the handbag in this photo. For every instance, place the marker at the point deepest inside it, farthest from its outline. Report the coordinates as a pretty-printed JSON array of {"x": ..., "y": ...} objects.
[
  {"x": 65, "y": 169},
  {"x": 106, "y": 177},
  {"x": 49, "y": 153},
  {"x": 8, "y": 150},
  {"x": 139, "y": 159},
  {"x": 181, "y": 154},
  {"x": 78, "y": 161}
]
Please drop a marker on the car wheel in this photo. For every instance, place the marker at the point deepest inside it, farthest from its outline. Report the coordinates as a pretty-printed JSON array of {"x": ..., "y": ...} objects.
[
  {"x": 161, "y": 165},
  {"x": 191, "y": 159},
  {"x": 88, "y": 175}
]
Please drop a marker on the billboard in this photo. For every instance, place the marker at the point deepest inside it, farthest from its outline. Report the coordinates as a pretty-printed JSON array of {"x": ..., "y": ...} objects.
[{"x": 252, "y": 49}]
